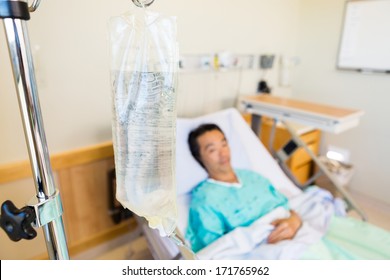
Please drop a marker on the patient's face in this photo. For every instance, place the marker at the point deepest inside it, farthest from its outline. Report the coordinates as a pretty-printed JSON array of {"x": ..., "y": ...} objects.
[{"x": 214, "y": 152}]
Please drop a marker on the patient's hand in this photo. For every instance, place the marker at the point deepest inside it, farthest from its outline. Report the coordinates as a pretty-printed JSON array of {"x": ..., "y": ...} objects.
[{"x": 285, "y": 228}]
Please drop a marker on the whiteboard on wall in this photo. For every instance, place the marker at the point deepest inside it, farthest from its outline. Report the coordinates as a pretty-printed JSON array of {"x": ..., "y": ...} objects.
[{"x": 365, "y": 40}]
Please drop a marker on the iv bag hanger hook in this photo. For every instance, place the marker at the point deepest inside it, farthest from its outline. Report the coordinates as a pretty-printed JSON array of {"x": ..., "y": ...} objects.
[
  {"x": 143, "y": 3},
  {"x": 34, "y": 6}
]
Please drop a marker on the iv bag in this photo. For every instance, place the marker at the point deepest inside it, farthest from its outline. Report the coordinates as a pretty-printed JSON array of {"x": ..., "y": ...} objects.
[{"x": 144, "y": 63}]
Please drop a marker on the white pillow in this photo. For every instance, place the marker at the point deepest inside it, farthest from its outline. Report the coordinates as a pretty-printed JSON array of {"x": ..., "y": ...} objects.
[
  {"x": 188, "y": 171},
  {"x": 246, "y": 152}
]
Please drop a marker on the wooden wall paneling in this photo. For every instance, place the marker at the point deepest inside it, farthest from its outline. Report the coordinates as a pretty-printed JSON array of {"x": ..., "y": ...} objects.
[
  {"x": 84, "y": 194},
  {"x": 82, "y": 177},
  {"x": 19, "y": 170}
]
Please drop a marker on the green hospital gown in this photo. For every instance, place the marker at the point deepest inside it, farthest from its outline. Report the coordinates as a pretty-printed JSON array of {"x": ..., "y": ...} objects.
[{"x": 217, "y": 208}]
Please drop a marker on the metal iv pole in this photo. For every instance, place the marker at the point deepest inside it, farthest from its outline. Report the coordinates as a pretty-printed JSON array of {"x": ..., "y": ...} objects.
[{"x": 45, "y": 209}]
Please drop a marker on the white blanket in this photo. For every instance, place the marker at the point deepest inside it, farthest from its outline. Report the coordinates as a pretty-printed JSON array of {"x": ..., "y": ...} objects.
[{"x": 315, "y": 206}]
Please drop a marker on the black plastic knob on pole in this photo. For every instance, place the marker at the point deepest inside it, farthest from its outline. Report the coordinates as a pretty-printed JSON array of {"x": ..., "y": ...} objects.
[{"x": 17, "y": 223}]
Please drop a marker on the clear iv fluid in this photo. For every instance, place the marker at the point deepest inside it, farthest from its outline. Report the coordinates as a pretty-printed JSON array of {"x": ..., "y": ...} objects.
[{"x": 144, "y": 143}]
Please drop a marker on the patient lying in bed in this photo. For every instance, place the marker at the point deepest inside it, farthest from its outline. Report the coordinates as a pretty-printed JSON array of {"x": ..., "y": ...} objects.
[{"x": 237, "y": 213}]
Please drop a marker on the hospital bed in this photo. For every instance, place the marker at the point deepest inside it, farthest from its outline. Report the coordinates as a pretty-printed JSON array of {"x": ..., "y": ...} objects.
[
  {"x": 247, "y": 152},
  {"x": 286, "y": 110}
]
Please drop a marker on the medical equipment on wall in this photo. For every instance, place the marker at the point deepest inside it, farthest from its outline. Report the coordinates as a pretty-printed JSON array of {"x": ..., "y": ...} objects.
[
  {"x": 44, "y": 210},
  {"x": 284, "y": 110},
  {"x": 266, "y": 62},
  {"x": 284, "y": 71},
  {"x": 221, "y": 61}
]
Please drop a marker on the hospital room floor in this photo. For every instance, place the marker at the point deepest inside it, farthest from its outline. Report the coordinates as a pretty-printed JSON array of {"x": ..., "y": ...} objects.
[
  {"x": 129, "y": 246},
  {"x": 133, "y": 246}
]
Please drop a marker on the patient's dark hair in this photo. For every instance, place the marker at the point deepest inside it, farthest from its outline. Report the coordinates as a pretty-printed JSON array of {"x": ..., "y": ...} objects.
[{"x": 193, "y": 139}]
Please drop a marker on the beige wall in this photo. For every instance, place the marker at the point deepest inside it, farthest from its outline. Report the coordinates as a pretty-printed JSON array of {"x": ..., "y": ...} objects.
[
  {"x": 71, "y": 59},
  {"x": 70, "y": 49},
  {"x": 317, "y": 79},
  {"x": 72, "y": 67}
]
